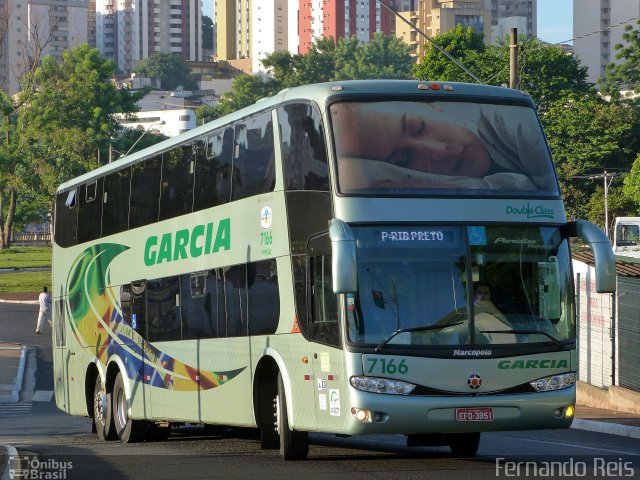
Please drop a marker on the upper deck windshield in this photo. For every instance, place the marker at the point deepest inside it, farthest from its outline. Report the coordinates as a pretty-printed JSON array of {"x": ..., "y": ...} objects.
[
  {"x": 504, "y": 285},
  {"x": 441, "y": 148}
]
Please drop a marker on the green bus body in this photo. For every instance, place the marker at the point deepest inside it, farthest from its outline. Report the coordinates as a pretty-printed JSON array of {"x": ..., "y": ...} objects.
[{"x": 206, "y": 287}]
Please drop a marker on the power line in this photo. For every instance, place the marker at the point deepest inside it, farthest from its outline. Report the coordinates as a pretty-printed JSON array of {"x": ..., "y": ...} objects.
[
  {"x": 438, "y": 47},
  {"x": 598, "y": 31}
]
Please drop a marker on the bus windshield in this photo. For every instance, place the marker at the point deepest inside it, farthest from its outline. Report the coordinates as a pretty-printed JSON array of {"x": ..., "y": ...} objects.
[
  {"x": 441, "y": 148},
  {"x": 432, "y": 286}
]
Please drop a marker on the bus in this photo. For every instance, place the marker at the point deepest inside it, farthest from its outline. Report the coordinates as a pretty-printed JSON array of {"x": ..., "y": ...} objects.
[
  {"x": 352, "y": 258},
  {"x": 626, "y": 236}
]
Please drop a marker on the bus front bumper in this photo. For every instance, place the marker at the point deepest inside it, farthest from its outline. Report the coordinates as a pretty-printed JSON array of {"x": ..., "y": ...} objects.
[{"x": 371, "y": 413}]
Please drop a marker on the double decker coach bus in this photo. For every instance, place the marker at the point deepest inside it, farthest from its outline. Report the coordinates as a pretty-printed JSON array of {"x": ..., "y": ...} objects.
[{"x": 361, "y": 257}]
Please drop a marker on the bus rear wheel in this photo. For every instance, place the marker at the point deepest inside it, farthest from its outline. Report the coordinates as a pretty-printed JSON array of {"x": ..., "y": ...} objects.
[
  {"x": 464, "y": 444},
  {"x": 129, "y": 430},
  {"x": 103, "y": 412},
  {"x": 293, "y": 445}
]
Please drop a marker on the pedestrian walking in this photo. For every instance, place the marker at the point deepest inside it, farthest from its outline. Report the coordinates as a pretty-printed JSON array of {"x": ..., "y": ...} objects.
[{"x": 45, "y": 309}]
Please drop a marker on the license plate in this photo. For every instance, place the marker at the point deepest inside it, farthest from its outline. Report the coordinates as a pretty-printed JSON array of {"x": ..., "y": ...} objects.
[{"x": 474, "y": 414}]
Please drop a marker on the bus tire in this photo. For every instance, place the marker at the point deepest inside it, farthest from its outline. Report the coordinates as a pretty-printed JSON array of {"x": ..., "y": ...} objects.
[
  {"x": 129, "y": 430},
  {"x": 293, "y": 445},
  {"x": 464, "y": 444},
  {"x": 103, "y": 422}
]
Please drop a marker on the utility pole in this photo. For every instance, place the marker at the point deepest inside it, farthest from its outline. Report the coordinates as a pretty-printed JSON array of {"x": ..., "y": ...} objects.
[{"x": 514, "y": 80}]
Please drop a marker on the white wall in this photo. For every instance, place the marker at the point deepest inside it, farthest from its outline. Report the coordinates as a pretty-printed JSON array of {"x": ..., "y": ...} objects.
[{"x": 594, "y": 327}]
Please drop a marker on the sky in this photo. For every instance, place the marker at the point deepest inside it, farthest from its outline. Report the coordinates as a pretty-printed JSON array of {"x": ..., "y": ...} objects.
[{"x": 555, "y": 19}]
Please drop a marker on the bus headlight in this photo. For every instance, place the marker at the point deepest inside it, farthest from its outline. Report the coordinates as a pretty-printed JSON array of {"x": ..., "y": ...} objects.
[
  {"x": 382, "y": 385},
  {"x": 554, "y": 382}
]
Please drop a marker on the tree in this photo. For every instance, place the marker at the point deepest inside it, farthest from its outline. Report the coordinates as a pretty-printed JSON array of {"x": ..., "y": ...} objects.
[
  {"x": 547, "y": 73},
  {"x": 169, "y": 68},
  {"x": 63, "y": 115},
  {"x": 385, "y": 56},
  {"x": 624, "y": 74}
]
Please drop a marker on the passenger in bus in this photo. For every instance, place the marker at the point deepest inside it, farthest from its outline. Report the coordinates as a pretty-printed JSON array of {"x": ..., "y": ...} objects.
[
  {"x": 489, "y": 318},
  {"x": 417, "y": 145}
]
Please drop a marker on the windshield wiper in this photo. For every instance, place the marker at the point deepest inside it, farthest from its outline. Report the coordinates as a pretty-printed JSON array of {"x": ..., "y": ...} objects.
[
  {"x": 526, "y": 332},
  {"x": 414, "y": 329}
]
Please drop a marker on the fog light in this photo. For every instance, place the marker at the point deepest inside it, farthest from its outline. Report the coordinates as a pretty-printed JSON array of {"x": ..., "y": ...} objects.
[
  {"x": 570, "y": 411},
  {"x": 361, "y": 414}
]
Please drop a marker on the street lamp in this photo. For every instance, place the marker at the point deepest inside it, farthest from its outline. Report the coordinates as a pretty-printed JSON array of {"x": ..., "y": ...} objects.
[{"x": 607, "y": 178}]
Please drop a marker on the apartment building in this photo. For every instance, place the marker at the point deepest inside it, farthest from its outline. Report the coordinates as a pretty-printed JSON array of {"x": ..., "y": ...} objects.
[
  {"x": 434, "y": 17},
  {"x": 507, "y": 14},
  {"x": 598, "y": 26},
  {"x": 131, "y": 30},
  {"x": 32, "y": 29}
]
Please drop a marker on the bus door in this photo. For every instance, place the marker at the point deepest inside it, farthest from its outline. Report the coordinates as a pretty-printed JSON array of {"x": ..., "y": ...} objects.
[
  {"x": 61, "y": 356},
  {"x": 324, "y": 333},
  {"x": 133, "y": 298}
]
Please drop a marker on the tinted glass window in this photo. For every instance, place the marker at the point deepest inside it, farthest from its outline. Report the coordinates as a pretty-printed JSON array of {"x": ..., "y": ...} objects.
[
  {"x": 163, "y": 314},
  {"x": 66, "y": 221},
  {"x": 90, "y": 213},
  {"x": 213, "y": 170},
  {"x": 235, "y": 289},
  {"x": 264, "y": 298},
  {"x": 145, "y": 192},
  {"x": 138, "y": 305},
  {"x": 304, "y": 154},
  {"x": 253, "y": 163},
  {"x": 202, "y": 305},
  {"x": 324, "y": 321},
  {"x": 176, "y": 191},
  {"x": 115, "y": 209}
]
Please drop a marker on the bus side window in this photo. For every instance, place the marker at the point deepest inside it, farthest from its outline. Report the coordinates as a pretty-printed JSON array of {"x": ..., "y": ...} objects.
[
  {"x": 264, "y": 297},
  {"x": 235, "y": 290},
  {"x": 199, "y": 305},
  {"x": 139, "y": 307},
  {"x": 66, "y": 221},
  {"x": 213, "y": 170},
  {"x": 304, "y": 155},
  {"x": 322, "y": 302},
  {"x": 176, "y": 188},
  {"x": 90, "y": 213},
  {"x": 115, "y": 209},
  {"x": 145, "y": 192},
  {"x": 324, "y": 326},
  {"x": 254, "y": 157},
  {"x": 163, "y": 310}
]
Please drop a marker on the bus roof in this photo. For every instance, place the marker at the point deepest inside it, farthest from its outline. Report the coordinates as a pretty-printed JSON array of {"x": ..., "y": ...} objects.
[{"x": 320, "y": 93}]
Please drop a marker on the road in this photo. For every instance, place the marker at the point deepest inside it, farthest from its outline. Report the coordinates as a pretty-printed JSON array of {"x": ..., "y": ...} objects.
[{"x": 63, "y": 445}]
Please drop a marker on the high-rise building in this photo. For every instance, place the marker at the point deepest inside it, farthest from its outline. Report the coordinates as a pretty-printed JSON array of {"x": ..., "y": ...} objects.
[
  {"x": 434, "y": 17},
  {"x": 342, "y": 19},
  {"x": 233, "y": 25},
  {"x": 31, "y": 29},
  {"x": 598, "y": 26},
  {"x": 507, "y": 14},
  {"x": 132, "y": 30},
  {"x": 274, "y": 28}
]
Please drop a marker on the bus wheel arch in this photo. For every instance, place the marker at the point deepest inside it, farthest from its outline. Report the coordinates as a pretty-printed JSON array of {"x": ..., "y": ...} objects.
[{"x": 265, "y": 389}]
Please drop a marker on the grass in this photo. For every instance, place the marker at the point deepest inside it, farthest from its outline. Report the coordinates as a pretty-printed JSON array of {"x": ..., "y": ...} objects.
[
  {"x": 25, "y": 257},
  {"x": 25, "y": 282}
]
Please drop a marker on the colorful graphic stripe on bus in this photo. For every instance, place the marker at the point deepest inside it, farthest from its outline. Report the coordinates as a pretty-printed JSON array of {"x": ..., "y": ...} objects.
[{"x": 95, "y": 316}]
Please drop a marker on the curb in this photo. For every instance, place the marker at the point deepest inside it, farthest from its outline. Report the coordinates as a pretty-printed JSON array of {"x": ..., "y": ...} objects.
[
  {"x": 17, "y": 384},
  {"x": 606, "y": 427},
  {"x": 32, "y": 302},
  {"x": 10, "y": 451}
]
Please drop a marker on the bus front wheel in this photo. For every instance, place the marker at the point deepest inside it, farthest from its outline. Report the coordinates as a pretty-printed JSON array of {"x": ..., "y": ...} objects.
[
  {"x": 129, "y": 430},
  {"x": 293, "y": 445},
  {"x": 103, "y": 412},
  {"x": 464, "y": 444}
]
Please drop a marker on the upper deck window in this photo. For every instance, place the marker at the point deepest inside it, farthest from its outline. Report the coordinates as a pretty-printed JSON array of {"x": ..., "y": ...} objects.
[{"x": 441, "y": 148}]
